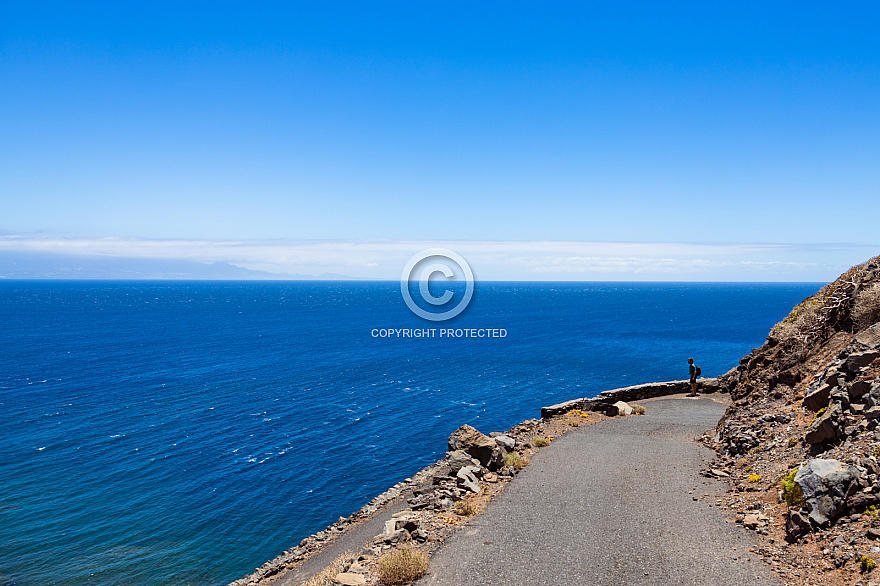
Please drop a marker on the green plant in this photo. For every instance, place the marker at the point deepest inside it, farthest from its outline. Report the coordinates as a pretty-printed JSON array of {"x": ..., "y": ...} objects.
[
  {"x": 754, "y": 478},
  {"x": 872, "y": 512},
  {"x": 818, "y": 414},
  {"x": 516, "y": 460},
  {"x": 579, "y": 413},
  {"x": 465, "y": 508},
  {"x": 791, "y": 491},
  {"x": 541, "y": 442},
  {"x": 792, "y": 442},
  {"x": 402, "y": 566},
  {"x": 867, "y": 564}
]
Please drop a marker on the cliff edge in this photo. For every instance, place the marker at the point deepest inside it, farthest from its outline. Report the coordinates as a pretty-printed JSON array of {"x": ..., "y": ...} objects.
[{"x": 800, "y": 444}]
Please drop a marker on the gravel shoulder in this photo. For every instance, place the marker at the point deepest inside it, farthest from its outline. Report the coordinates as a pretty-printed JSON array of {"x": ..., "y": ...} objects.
[{"x": 618, "y": 502}]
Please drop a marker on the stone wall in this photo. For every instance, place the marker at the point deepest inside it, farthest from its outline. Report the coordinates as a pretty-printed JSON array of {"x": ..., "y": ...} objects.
[{"x": 606, "y": 399}]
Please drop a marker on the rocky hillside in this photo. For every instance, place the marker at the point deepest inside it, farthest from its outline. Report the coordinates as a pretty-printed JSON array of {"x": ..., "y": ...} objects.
[{"x": 800, "y": 445}]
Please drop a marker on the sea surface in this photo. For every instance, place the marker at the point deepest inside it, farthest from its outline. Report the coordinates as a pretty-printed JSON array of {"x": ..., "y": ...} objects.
[{"x": 186, "y": 432}]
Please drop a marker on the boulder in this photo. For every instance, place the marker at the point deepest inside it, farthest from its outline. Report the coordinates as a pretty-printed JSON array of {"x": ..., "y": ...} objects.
[
  {"x": 859, "y": 360},
  {"x": 506, "y": 442},
  {"x": 623, "y": 408},
  {"x": 826, "y": 485},
  {"x": 862, "y": 500},
  {"x": 408, "y": 524},
  {"x": 796, "y": 525},
  {"x": 476, "y": 444},
  {"x": 818, "y": 397},
  {"x": 870, "y": 337},
  {"x": 834, "y": 377},
  {"x": 399, "y": 536},
  {"x": 859, "y": 389},
  {"x": 826, "y": 427},
  {"x": 467, "y": 478},
  {"x": 873, "y": 397},
  {"x": 457, "y": 459}
]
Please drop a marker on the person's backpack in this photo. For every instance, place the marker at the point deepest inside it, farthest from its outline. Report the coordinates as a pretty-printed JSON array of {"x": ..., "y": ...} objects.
[{"x": 697, "y": 371}]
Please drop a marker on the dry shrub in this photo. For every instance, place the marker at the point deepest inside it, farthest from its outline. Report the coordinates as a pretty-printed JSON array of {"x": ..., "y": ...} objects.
[
  {"x": 402, "y": 566},
  {"x": 802, "y": 325},
  {"x": 540, "y": 442},
  {"x": 815, "y": 318},
  {"x": 866, "y": 311}
]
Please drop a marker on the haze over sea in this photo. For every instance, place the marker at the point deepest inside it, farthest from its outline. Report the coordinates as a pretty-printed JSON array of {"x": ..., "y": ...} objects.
[{"x": 186, "y": 432}]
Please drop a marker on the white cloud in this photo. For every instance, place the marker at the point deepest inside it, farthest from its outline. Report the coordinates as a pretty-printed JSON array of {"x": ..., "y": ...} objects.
[{"x": 491, "y": 260}]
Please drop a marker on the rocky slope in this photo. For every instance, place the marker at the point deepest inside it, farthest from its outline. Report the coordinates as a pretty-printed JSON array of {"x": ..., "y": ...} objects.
[{"x": 800, "y": 445}]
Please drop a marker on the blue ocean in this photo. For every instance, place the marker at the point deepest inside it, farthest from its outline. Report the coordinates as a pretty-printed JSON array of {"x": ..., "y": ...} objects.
[{"x": 185, "y": 432}]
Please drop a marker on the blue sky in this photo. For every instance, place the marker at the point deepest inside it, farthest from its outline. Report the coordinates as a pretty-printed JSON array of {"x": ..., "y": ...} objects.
[{"x": 693, "y": 127}]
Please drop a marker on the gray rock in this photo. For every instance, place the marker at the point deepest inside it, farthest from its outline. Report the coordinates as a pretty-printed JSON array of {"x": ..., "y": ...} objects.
[
  {"x": 818, "y": 397},
  {"x": 826, "y": 485},
  {"x": 458, "y": 459},
  {"x": 858, "y": 360},
  {"x": 467, "y": 479},
  {"x": 474, "y": 443},
  {"x": 796, "y": 525},
  {"x": 399, "y": 536},
  {"x": 408, "y": 524},
  {"x": 834, "y": 377},
  {"x": 506, "y": 442},
  {"x": 840, "y": 396},
  {"x": 826, "y": 427},
  {"x": 873, "y": 413},
  {"x": 861, "y": 500},
  {"x": 859, "y": 389}
]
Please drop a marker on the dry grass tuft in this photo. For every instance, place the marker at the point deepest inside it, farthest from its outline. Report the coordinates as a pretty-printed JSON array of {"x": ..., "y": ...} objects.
[
  {"x": 402, "y": 566},
  {"x": 516, "y": 460},
  {"x": 465, "y": 508}
]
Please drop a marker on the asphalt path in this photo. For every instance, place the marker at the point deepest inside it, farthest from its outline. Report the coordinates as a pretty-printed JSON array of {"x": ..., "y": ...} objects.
[
  {"x": 353, "y": 541},
  {"x": 610, "y": 504}
]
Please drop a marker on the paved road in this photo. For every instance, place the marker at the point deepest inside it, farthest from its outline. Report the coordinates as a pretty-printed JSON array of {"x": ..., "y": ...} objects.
[
  {"x": 353, "y": 541},
  {"x": 608, "y": 504}
]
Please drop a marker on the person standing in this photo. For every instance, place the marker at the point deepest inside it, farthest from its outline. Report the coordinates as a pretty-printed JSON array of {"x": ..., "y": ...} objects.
[{"x": 693, "y": 374}]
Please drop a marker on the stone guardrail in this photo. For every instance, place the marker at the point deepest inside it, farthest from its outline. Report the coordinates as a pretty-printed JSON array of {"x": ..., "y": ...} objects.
[{"x": 604, "y": 401}]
